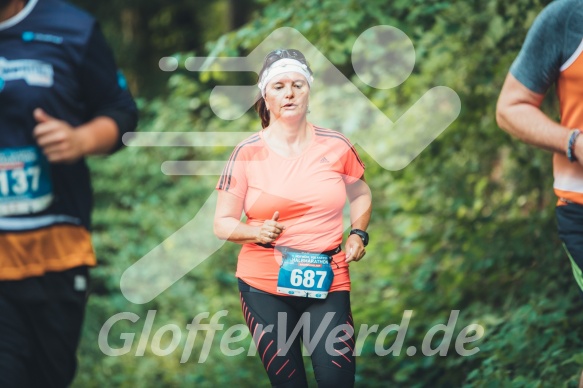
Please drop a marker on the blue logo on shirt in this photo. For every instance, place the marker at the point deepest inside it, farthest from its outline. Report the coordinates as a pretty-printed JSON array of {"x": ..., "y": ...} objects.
[
  {"x": 121, "y": 80},
  {"x": 29, "y": 36},
  {"x": 2, "y": 83}
]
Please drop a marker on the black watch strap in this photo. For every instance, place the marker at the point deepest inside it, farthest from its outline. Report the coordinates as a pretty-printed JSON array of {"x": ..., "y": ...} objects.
[{"x": 362, "y": 234}]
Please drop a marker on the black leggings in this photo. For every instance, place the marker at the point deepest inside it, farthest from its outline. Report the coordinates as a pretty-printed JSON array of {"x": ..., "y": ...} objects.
[
  {"x": 40, "y": 327},
  {"x": 325, "y": 326},
  {"x": 570, "y": 224}
]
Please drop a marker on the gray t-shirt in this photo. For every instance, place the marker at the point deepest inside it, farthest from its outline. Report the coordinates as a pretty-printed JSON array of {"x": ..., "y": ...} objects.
[{"x": 554, "y": 39}]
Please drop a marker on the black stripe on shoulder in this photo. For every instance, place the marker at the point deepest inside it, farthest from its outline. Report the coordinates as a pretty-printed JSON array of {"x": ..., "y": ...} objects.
[
  {"x": 338, "y": 135},
  {"x": 226, "y": 177},
  {"x": 224, "y": 174},
  {"x": 332, "y": 132}
]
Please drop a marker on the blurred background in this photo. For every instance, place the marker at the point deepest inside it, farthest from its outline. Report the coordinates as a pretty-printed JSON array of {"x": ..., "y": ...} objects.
[{"x": 468, "y": 225}]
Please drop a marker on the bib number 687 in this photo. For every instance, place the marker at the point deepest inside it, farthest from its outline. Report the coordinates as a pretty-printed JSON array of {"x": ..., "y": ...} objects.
[{"x": 307, "y": 278}]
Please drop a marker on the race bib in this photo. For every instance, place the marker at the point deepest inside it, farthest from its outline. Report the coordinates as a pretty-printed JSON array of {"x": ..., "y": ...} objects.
[
  {"x": 25, "y": 181},
  {"x": 305, "y": 274}
]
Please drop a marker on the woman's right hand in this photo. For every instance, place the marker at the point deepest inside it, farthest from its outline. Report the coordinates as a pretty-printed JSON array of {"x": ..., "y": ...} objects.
[{"x": 270, "y": 230}]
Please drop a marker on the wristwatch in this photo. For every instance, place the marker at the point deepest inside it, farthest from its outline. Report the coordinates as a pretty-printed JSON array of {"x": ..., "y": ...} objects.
[{"x": 362, "y": 234}]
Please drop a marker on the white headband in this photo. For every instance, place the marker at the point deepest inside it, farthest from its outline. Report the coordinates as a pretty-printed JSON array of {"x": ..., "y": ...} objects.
[{"x": 281, "y": 66}]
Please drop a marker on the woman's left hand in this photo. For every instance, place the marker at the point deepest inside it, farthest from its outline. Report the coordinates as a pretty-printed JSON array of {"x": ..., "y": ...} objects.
[{"x": 354, "y": 248}]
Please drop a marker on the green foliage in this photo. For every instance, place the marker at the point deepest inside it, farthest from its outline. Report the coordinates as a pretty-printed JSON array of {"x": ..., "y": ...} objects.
[
  {"x": 468, "y": 226},
  {"x": 142, "y": 32}
]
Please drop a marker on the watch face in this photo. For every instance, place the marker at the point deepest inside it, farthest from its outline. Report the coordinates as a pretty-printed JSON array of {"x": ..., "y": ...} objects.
[{"x": 365, "y": 239}]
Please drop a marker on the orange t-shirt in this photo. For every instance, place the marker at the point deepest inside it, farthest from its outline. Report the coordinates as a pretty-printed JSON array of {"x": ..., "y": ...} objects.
[
  {"x": 553, "y": 53},
  {"x": 569, "y": 176},
  {"x": 308, "y": 190}
]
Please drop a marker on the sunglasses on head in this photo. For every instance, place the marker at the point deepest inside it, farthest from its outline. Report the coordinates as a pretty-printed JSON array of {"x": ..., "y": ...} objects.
[{"x": 284, "y": 53}]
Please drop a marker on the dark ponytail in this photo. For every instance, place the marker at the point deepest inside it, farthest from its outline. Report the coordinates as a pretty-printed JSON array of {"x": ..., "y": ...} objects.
[{"x": 261, "y": 109}]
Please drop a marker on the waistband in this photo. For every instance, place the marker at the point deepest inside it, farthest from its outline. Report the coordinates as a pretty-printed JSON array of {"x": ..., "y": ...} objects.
[
  {"x": 244, "y": 287},
  {"x": 330, "y": 252}
]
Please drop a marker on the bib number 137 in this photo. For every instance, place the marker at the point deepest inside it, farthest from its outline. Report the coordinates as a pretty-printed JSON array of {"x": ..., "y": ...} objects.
[
  {"x": 25, "y": 181},
  {"x": 19, "y": 180}
]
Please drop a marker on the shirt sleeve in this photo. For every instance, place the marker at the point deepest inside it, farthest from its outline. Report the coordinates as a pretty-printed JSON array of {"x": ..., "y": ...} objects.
[
  {"x": 234, "y": 176},
  {"x": 538, "y": 64},
  {"x": 353, "y": 165},
  {"x": 103, "y": 87}
]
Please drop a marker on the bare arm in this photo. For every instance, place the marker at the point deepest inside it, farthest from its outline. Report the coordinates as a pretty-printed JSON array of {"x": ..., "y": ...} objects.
[
  {"x": 63, "y": 143},
  {"x": 518, "y": 113},
  {"x": 228, "y": 225},
  {"x": 360, "y": 199}
]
